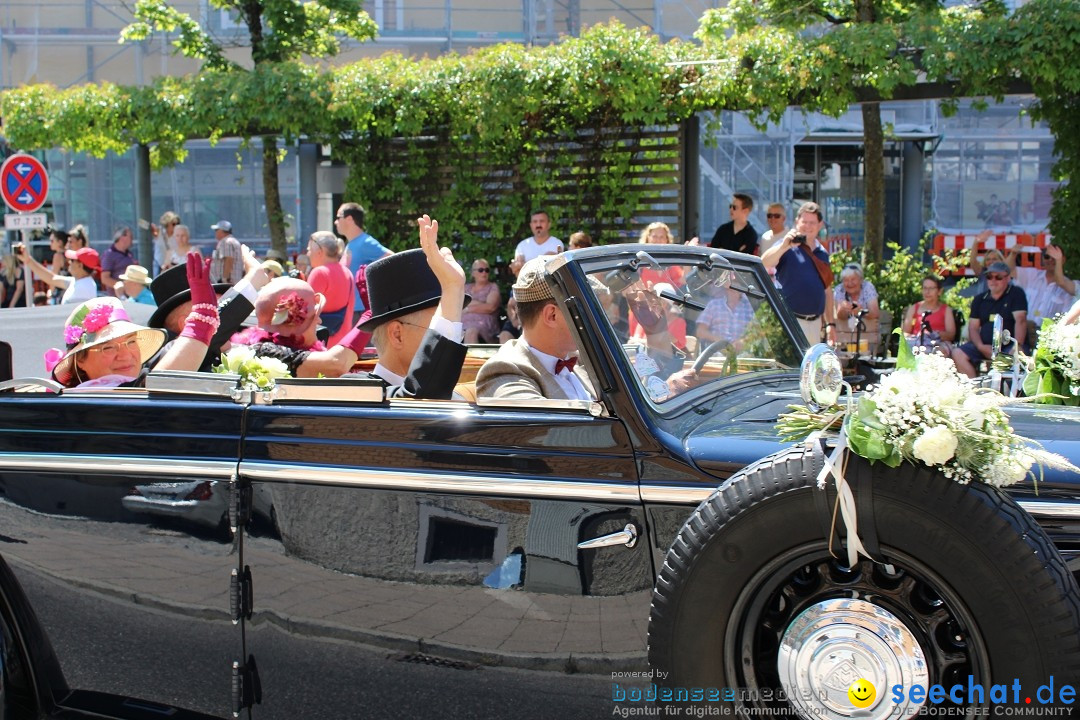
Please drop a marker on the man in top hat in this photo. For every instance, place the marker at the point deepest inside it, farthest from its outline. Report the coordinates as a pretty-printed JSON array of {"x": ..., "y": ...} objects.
[
  {"x": 134, "y": 285},
  {"x": 543, "y": 362},
  {"x": 173, "y": 297},
  {"x": 415, "y": 299}
]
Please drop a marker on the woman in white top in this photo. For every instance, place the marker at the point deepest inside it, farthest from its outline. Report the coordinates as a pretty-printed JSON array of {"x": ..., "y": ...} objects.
[
  {"x": 179, "y": 247},
  {"x": 80, "y": 286}
]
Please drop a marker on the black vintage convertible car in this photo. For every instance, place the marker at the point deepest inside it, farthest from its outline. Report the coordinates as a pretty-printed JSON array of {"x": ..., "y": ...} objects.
[{"x": 196, "y": 550}]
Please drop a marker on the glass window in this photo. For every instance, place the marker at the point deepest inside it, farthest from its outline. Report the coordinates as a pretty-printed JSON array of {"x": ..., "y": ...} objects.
[{"x": 705, "y": 326}]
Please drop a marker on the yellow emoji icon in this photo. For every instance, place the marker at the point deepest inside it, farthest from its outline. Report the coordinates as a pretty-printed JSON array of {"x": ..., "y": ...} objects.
[{"x": 862, "y": 693}]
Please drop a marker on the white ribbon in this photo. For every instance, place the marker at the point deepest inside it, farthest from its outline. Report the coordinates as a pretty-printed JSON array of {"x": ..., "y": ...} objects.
[{"x": 834, "y": 465}]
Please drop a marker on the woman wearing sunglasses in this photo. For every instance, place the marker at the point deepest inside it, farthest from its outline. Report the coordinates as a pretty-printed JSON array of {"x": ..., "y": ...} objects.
[{"x": 481, "y": 316}]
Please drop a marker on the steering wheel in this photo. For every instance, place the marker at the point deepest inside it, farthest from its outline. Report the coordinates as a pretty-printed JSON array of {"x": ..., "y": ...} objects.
[{"x": 710, "y": 350}]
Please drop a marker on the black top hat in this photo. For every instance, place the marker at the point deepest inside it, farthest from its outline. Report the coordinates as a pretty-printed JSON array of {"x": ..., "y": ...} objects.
[
  {"x": 399, "y": 284},
  {"x": 170, "y": 289}
]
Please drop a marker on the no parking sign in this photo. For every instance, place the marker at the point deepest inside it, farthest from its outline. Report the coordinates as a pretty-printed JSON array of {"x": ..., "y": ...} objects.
[{"x": 24, "y": 183}]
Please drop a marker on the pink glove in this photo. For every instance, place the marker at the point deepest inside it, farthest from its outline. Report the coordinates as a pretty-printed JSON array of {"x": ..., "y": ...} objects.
[
  {"x": 202, "y": 322},
  {"x": 356, "y": 339},
  {"x": 361, "y": 285},
  {"x": 198, "y": 276}
]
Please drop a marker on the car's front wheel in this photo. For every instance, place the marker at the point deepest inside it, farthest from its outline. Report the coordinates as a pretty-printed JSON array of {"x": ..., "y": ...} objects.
[{"x": 970, "y": 591}]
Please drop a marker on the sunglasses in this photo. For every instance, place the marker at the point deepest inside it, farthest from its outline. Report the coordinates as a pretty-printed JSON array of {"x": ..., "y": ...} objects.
[
  {"x": 480, "y": 270},
  {"x": 733, "y": 206},
  {"x": 774, "y": 216},
  {"x": 996, "y": 276}
]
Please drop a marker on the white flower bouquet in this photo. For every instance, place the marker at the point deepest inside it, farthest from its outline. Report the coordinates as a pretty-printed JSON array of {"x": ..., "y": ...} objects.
[
  {"x": 926, "y": 412},
  {"x": 1054, "y": 370},
  {"x": 256, "y": 372}
]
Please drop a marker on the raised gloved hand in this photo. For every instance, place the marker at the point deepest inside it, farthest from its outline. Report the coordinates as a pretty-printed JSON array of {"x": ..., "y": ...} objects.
[
  {"x": 647, "y": 309},
  {"x": 202, "y": 322},
  {"x": 198, "y": 276}
]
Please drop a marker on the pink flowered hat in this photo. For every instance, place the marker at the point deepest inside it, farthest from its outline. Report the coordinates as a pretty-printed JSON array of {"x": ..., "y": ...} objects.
[
  {"x": 96, "y": 322},
  {"x": 287, "y": 306}
]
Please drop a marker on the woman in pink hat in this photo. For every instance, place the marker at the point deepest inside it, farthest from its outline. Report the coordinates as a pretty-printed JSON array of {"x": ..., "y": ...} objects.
[
  {"x": 83, "y": 264},
  {"x": 104, "y": 348},
  {"x": 287, "y": 311}
]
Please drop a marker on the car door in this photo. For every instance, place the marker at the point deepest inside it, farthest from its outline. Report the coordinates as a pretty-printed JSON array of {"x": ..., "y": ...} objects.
[
  {"x": 113, "y": 524},
  {"x": 425, "y": 559}
]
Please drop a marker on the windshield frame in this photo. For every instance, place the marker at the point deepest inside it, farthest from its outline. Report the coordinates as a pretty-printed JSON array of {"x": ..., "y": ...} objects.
[{"x": 578, "y": 265}]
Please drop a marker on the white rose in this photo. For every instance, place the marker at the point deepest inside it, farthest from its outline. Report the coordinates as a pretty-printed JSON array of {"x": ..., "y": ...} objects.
[{"x": 936, "y": 446}]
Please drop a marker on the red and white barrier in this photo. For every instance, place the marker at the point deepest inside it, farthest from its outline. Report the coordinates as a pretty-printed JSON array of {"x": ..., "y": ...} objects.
[{"x": 1031, "y": 256}]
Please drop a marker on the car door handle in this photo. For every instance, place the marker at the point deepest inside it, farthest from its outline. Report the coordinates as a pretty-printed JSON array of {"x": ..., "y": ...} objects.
[{"x": 627, "y": 536}]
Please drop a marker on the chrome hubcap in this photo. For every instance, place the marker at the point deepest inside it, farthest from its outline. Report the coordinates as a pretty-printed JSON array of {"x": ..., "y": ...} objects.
[{"x": 833, "y": 645}]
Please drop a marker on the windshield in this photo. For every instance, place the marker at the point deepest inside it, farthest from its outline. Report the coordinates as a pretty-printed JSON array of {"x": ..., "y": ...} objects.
[{"x": 688, "y": 323}]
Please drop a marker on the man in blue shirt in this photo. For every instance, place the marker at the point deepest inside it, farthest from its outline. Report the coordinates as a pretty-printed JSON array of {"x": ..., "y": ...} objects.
[
  {"x": 360, "y": 248},
  {"x": 802, "y": 268}
]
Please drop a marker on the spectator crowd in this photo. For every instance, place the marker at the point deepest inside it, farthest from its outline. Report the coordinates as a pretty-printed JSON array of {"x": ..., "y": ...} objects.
[{"x": 327, "y": 287}]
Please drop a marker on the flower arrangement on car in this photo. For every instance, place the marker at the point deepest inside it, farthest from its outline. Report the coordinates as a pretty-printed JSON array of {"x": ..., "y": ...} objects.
[
  {"x": 256, "y": 372},
  {"x": 926, "y": 412},
  {"x": 1054, "y": 369}
]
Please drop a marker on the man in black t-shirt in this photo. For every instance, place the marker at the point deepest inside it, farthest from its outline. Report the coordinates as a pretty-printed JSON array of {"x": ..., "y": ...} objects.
[
  {"x": 738, "y": 235},
  {"x": 1004, "y": 299}
]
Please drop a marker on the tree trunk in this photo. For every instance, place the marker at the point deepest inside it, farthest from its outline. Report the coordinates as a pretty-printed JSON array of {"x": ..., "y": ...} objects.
[
  {"x": 874, "y": 176},
  {"x": 275, "y": 216}
]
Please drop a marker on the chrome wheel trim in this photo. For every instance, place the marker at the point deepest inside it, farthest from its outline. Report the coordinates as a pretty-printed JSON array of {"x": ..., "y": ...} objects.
[{"x": 835, "y": 643}]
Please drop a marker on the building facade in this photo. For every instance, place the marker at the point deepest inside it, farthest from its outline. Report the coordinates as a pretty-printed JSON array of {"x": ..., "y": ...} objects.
[{"x": 961, "y": 173}]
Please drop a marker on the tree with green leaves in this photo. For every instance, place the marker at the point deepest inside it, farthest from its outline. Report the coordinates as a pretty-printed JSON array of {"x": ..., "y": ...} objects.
[
  {"x": 826, "y": 55},
  {"x": 279, "y": 32}
]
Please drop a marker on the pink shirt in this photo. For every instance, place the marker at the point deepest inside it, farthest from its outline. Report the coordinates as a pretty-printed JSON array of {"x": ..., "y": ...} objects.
[{"x": 336, "y": 285}]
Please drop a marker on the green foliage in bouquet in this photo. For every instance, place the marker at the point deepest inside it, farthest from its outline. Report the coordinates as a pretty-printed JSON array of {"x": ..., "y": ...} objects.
[{"x": 1054, "y": 370}]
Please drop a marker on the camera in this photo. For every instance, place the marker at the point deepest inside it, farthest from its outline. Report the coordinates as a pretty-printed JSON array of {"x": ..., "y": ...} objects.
[{"x": 798, "y": 240}]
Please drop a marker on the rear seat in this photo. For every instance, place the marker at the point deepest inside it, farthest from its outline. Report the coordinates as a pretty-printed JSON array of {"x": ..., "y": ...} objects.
[{"x": 467, "y": 390}]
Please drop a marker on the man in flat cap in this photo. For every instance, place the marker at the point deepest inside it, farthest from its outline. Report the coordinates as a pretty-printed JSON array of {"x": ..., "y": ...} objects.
[{"x": 542, "y": 363}]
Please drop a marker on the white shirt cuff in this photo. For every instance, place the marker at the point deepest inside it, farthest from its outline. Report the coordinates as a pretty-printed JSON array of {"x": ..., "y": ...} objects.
[
  {"x": 245, "y": 288},
  {"x": 449, "y": 330}
]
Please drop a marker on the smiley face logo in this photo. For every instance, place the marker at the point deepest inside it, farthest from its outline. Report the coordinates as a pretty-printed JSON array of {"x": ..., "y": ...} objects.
[{"x": 862, "y": 693}]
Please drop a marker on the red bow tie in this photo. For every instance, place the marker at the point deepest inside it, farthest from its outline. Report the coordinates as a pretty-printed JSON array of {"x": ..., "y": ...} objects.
[{"x": 568, "y": 363}]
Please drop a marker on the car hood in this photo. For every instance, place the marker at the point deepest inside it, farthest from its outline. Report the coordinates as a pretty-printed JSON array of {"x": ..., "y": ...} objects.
[{"x": 740, "y": 428}]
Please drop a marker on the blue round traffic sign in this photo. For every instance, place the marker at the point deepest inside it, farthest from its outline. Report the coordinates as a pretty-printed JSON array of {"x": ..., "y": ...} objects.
[{"x": 24, "y": 183}]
